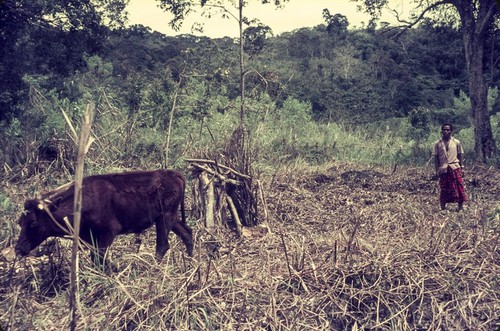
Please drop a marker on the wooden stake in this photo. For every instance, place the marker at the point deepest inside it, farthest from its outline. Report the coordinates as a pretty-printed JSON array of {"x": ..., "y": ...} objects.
[
  {"x": 234, "y": 213},
  {"x": 208, "y": 199},
  {"x": 84, "y": 144}
]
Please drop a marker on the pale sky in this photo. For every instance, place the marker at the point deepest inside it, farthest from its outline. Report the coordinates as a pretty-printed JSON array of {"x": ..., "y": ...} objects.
[{"x": 295, "y": 14}]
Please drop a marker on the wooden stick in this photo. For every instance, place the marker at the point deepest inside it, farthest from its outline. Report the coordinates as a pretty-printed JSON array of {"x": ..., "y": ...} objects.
[
  {"x": 234, "y": 213},
  {"x": 52, "y": 193},
  {"x": 208, "y": 199},
  {"x": 17, "y": 290},
  {"x": 221, "y": 177},
  {"x": 84, "y": 144},
  {"x": 219, "y": 165},
  {"x": 264, "y": 205}
]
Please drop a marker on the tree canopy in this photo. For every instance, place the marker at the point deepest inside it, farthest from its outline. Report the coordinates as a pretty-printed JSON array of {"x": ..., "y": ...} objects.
[
  {"x": 60, "y": 31},
  {"x": 477, "y": 22}
]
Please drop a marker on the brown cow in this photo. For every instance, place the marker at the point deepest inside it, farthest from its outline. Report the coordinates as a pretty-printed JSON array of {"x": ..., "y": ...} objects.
[{"x": 112, "y": 204}]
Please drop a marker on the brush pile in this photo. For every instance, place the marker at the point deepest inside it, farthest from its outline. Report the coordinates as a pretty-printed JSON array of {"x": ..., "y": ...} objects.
[
  {"x": 344, "y": 248},
  {"x": 220, "y": 191}
]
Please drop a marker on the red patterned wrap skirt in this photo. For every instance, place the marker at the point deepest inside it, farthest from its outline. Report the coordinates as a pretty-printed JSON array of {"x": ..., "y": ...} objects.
[{"x": 452, "y": 186}]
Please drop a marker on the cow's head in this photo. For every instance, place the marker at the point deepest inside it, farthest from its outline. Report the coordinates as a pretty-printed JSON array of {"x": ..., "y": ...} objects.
[{"x": 36, "y": 226}]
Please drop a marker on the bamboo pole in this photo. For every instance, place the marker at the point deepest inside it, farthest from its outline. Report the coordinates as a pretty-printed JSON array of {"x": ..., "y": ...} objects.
[{"x": 84, "y": 144}]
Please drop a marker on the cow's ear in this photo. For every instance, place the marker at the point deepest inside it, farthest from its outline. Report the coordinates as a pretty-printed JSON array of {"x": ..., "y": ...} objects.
[{"x": 31, "y": 204}]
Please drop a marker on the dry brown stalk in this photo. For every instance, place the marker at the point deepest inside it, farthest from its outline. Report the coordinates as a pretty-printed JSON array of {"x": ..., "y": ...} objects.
[{"x": 83, "y": 146}]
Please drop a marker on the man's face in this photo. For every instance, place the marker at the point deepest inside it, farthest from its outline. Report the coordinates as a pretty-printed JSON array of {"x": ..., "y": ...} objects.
[{"x": 446, "y": 131}]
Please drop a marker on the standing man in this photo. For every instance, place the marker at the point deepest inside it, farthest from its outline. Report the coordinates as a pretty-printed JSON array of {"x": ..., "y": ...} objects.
[{"x": 447, "y": 154}]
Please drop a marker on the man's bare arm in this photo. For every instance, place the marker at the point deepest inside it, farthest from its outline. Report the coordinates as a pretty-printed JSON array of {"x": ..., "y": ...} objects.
[{"x": 460, "y": 160}]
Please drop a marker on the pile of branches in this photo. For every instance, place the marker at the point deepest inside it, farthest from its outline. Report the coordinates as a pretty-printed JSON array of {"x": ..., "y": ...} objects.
[{"x": 223, "y": 195}]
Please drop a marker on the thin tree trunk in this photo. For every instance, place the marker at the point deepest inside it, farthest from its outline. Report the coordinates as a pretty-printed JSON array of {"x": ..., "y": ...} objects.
[
  {"x": 169, "y": 130},
  {"x": 485, "y": 147},
  {"x": 242, "y": 71}
]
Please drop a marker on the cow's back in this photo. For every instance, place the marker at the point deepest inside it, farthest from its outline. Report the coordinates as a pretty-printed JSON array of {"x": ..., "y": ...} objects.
[{"x": 130, "y": 202}]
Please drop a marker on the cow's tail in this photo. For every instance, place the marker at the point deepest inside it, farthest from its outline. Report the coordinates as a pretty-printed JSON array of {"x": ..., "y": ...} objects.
[{"x": 183, "y": 205}]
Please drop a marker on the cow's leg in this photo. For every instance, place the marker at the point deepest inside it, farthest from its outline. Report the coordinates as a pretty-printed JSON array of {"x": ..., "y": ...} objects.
[
  {"x": 185, "y": 233},
  {"x": 162, "y": 231},
  {"x": 138, "y": 241}
]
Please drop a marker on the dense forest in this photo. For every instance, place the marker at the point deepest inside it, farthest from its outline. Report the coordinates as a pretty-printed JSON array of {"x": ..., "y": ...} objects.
[{"x": 145, "y": 83}]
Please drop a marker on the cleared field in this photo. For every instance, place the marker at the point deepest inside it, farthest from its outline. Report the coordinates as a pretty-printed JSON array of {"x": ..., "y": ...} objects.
[{"x": 344, "y": 248}]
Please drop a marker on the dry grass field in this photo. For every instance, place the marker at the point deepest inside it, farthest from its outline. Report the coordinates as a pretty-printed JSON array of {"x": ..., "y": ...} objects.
[{"x": 344, "y": 247}]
